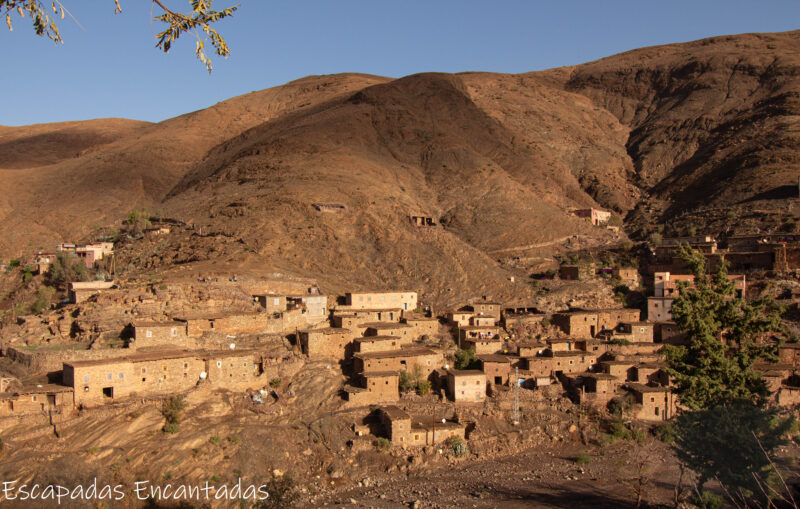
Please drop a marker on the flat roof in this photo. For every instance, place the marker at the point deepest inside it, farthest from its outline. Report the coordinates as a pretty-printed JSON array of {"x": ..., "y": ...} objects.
[
  {"x": 41, "y": 389},
  {"x": 598, "y": 376},
  {"x": 380, "y": 374},
  {"x": 394, "y": 412},
  {"x": 384, "y": 325},
  {"x": 647, "y": 388},
  {"x": 160, "y": 355},
  {"x": 327, "y": 330},
  {"x": 367, "y": 339},
  {"x": 619, "y": 363},
  {"x": 349, "y": 310},
  {"x": 481, "y": 327},
  {"x": 145, "y": 323},
  {"x": 405, "y": 352},
  {"x": 465, "y": 372},
  {"x": 572, "y": 353},
  {"x": 493, "y": 357}
]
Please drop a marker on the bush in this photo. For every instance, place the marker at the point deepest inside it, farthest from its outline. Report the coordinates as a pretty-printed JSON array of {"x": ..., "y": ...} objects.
[
  {"x": 621, "y": 341},
  {"x": 457, "y": 445},
  {"x": 215, "y": 440},
  {"x": 656, "y": 239},
  {"x": 382, "y": 444},
  {"x": 465, "y": 359},
  {"x": 709, "y": 500},
  {"x": 582, "y": 459},
  {"x": 666, "y": 433},
  {"x": 275, "y": 383},
  {"x": 423, "y": 387},
  {"x": 172, "y": 409},
  {"x": 234, "y": 439},
  {"x": 282, "y": 493},
  {"x": 406, "y": 383}
]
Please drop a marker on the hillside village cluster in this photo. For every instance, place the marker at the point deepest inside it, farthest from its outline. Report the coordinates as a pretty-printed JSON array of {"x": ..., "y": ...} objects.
[{"x": 380, "y": 339}]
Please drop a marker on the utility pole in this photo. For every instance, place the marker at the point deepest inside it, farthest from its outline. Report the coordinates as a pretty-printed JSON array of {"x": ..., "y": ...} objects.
[{"x": 516, "y": 396}]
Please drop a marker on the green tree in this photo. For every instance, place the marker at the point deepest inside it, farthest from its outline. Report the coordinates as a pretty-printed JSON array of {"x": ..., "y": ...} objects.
[
  {"x": 725, "y": 339},
  {"x": 138, "y": 221},
  {"x": 197, "y": 21},
  {"x": 465, "y": 359},
  {"x": 66, "y": 269},
  {"x": 728, "y": 430}
]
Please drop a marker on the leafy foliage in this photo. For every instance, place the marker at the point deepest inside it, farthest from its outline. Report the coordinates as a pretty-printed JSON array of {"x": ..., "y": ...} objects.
[
  {"x": 197, "y": 21},
  {"x": 730, "y": 442},
  {"x": 282, "y": 491},
  {"x": 718, "y": 364},
  {"x": 382, "y": 444},
  {"x": 66, "y": 269},
  {"x": 172, "y": 410},
  {"x": 466, "y": 359},
  {"x": 138, "y": 221},
  {"x": 457, "y": 445}
]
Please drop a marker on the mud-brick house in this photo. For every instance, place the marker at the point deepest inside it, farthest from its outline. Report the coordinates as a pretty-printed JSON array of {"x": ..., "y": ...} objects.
[
  {"x": 531, "y": 349},
  {"x": 653, "y": 402},
  {"x": 466, "y": 385},
  {"x": 659, "y": 309},
  {"x": 396, "y": 424},
  {"x": 407, "y": 301},
  {"x": 432, "y": 430},
  {"x": 482, "y": 321},
  {"x": 421, "y": 325},
  {"x": 147, "y": 334},
  {"x": 668, "y": 333},
  {"x": 482, "y": 345},
  {"x": 92, "y": 253},
  {"x": 367, "y": 344},
  {"x": 595, "y": 216},
  {"x": 561, "y": 344},
  {"x": 538, "y": 366},
  {"x": 159, "y": 373},
  {"x": 640, "y": 332},
  {"x": 576, "y": 272},
  {"x": 35, "y": 399},
  {"x": 789, "y": 353},
  {"x": 226, "y": 323},
  {"x": 487, "y": 307},
  {"x": 398, "y": 360},
  {"x": 82, "y": 291},
  {"x": 574, "y": 361},
  {"x": 403, "y": 331},
  {"x": 622, "y": 368},
  {"x": 474, "y": 335},
  {"x": 271, "y": 303},
  {"x": 611, "y": 318},
  {"x": 370, "y": 315},
  {"x": 314, "y": 306},
  {"x": 460, "y": 318},
  {"x": 577, "y": 323},
  {"x": 496, "y": 367},
  {"x": 651, "y": 373},
  {"x": 627, "y": 276},
  {"x": 325, "y": 343},
  {"x": 43, "y": 261},
  {"x": 375, "y": 387}
]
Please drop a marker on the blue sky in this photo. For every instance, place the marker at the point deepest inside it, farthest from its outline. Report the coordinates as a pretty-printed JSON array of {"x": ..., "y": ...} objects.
[{"x": 110, "y": 68}]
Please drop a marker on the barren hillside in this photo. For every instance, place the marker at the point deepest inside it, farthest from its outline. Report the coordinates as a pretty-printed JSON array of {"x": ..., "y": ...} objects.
[{"x": 677, "y": 134}]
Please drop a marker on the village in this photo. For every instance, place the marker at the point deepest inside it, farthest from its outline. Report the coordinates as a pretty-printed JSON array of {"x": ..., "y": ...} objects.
[{"x": 417, "y": 376}]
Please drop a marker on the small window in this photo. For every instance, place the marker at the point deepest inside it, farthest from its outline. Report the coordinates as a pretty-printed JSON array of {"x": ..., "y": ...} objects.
[
  {"x": 219, "y": 364},
  {"x": 148, "y": 333},
  {"x": 85, "y": 388},
  {"x": 85, "y": 378},
  {"x": 122, "y": 375},
  {"x": 144, "y": 380},
  {"x": 185, "y": 365},
  {"x": 164, "y": 367},
  {"x": 109, "y": 376},
  {"x": 174, "y": 331}
]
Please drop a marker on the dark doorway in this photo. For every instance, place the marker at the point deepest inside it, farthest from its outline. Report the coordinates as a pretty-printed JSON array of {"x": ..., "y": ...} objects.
[
  {"x": 108, "y": 392},
  {"x": 498, "y": 380}
]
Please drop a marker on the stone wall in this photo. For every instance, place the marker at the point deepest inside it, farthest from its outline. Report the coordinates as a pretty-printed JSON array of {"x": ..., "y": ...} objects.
[{"x": 45, "y": 361}]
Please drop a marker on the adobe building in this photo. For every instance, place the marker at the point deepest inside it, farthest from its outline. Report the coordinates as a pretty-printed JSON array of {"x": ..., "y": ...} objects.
[
  {"x": 665, "y": 284},
  {"x": 421, "y": 325},
  {"x": 659, "y": 309},
  {"x": 466, "y": 385},
  {"x": 157, "y": 373},
  {"x": 668, "y": 333},
  {"x": 560, "y": 345},
  {"x": 396, "y": 424},
  {"x": 640, "y": 332},
  {"x": 36, "y": 399},
  {"x": 595, "y": 216},
  {"x": 43, "y": 261},
  {"x": 370, "y": 315},
  {"x": 538, "y": 366},
  {"x": 407, "y": 301},
  {"x": 420, "y": 221},
  {"x": 482, "y": 321},
  {"x": 353, "y": 323},
  {"x": 789, "y": 353},
  {"x": 271, "y": 303},
  {"x": 485, "y": 333},
  {"x": 653, "y": 403},
  {"x": 486, "y": 307},
  {"x": 376, "y": 387},
  {"x": 514, "y": 318},
  {"x": 624, "y": 369},
  {"x": 576, "y": 272},
  {"x": 398, "y": 360},
  {"x": 627, "y": 276},
  {"x": 572, "y": 362},
  {"x": 228, "y": 323},
  {"x": 651, "y": 373},
  {"x": 402, "y": 331},
  {"x": 497, "y": 368},
  {"x": 325, "y": 343},
  {"x": 82, "y": 291},
  {"x": 367, "y": 344},
  {"x": 611, "y": 318},
  {"x": 482, "y": 345},
  {"x": 576, "y": 323},
  {"x": 460, "y": 318},
  {"x": 147, "y": 334},
  {"x": 92, "y": 253},
  {"x": 314, "y": 306},
  {"x": 531, "y": 349}
]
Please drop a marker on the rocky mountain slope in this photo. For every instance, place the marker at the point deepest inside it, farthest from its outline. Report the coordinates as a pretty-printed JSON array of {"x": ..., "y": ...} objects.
[{"x": 694, "y": 135}]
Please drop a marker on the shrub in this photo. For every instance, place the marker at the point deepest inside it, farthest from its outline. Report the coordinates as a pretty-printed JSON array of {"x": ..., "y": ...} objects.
[
  {"x": 656, "y": 239},
  {"x": 457, "y": 445},
  {"x": 282, "y": 491},
  {"x": 709, "y": 500},
  {"x": 382, "y": 444},
  {"x": 582, "y": 459},
  {"x": 423, "y": 387},
  {"x": 621, "y": 341},
  {"x": 406, "y": 383},
  {"x": 666, "y": 433},
  {"x": 465, "y": 359},
  {"x": 172, "y": 409},
  {"x": 234, "y": 439},
  {"x": 275, "y": 383},
  {"x": 215, "y": 440}
]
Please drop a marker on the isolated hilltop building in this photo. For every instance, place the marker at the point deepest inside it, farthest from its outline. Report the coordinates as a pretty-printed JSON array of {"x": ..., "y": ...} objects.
[
  {"x": 596, "y": 216},
  {"x": 421, "y": 220}
]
